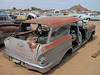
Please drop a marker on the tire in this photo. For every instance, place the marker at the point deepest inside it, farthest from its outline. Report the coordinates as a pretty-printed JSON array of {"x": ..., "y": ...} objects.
[
  {"x": 30, "y": 18},
  {"x": 88, "y": 19}
]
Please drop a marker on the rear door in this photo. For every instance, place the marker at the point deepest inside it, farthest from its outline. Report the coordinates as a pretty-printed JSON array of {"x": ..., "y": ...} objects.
[
  {"x": 60, "y": 42},
  {"x": 96, "y": 17}
]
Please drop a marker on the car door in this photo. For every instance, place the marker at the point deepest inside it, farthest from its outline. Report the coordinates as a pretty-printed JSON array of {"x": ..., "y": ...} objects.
[
  {"x": 60, "y": 42},
  {"x": 92, "y": 16},
  {"x": 96, "y": 17}
]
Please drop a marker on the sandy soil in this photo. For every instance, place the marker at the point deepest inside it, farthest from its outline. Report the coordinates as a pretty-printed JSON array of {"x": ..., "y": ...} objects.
[{"x": 78, "y": 63}]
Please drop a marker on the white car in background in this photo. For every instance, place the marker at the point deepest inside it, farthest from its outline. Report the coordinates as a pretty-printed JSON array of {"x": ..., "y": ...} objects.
[
  {"x": 72, "y": 14},
  {"x": 91, "y": 16},
  {"x": 78, "y": 16}
]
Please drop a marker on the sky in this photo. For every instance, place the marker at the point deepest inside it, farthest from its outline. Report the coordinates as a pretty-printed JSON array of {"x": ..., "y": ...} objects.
[{"x": 93, "y": 5}]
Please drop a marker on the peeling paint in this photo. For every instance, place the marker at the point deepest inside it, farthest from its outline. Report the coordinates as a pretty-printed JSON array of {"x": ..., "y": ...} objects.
[{"x": 32, "y": 45}]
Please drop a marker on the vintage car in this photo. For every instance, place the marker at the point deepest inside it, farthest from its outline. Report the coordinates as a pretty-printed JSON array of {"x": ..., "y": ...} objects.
[
  {"x": 41, "y": 44},
  {"x": 91, "y": 16},
  {"x": 5, "y": 17},
  {"x": 6, "y": 29},
  {"x": 54, "y": 13},
  {"x": 23, "y": 16}
]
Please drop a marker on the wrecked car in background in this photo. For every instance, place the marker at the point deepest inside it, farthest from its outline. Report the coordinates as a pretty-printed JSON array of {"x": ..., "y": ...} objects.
[
  {"x": 40, "y": 44},
  {"x": 5, "y": 17},
  {"x": 23, "y": 16},
  {"x": 6, "y": 29}
]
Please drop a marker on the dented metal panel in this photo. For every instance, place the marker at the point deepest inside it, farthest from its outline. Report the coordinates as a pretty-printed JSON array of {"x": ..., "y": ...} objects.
[{"x": 90, "y": 27}]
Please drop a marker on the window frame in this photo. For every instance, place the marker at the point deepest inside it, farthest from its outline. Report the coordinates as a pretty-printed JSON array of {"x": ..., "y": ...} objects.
[{"x": 68, "y": 24}]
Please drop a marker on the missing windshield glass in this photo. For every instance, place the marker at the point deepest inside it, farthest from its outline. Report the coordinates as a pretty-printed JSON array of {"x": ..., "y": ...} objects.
[{"x": 36, "y": 33}]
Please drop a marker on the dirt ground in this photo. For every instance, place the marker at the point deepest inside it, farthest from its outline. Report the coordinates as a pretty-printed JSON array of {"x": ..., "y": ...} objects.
[{"x": 78, "y": 63}]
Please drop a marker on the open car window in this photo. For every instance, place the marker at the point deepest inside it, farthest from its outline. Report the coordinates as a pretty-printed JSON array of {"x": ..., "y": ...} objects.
[{"x": 37, "y": 33}]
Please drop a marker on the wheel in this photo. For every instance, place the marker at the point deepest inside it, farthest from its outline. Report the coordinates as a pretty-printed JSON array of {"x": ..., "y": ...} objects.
[
  {"x": 88, "y": 19},
  {"x": 30, "y": 18}
]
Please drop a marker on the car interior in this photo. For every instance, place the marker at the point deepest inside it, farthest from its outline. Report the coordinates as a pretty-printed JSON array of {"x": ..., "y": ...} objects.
[{"x": 37, "y": 33}]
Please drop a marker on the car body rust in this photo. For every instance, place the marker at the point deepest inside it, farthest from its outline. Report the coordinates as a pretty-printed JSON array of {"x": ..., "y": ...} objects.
[{"x": 41, "y": 43}]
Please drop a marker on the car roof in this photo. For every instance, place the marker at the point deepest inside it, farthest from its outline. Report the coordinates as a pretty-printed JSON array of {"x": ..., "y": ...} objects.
[{"x": 53, "y": 21}]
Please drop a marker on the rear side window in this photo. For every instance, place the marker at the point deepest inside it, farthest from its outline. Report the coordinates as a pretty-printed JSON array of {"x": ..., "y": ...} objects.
[
  {"x": 59, "y": 32},
  {"x": 1, "y": 18}
]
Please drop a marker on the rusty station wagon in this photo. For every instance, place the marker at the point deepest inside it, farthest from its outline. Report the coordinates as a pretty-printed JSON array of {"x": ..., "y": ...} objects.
[{"x": 40, "y": 44}]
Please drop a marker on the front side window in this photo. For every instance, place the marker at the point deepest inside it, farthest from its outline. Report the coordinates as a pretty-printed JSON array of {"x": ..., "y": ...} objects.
[{"x": 59, "y": 32}]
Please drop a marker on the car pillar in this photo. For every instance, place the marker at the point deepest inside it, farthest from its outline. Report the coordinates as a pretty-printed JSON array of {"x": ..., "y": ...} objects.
[
  {"x": 77, "y": 32},
  {"x": 83, "y": 24}
]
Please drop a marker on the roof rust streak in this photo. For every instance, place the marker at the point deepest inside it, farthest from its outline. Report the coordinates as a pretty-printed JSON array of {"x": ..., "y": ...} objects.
[{"x": 53, "y": 21}]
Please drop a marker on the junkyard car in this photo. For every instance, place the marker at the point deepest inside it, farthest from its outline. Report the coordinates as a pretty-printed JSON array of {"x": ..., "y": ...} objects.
[
  {"x": 6, "y": 29},
  {"x": 40, "y": 44},
  {"x": 91, "y": 16},
  {"x": 54, "y": 13},
  {"x": 23, "y": 16},
  {"x": 5, "y": 17}
]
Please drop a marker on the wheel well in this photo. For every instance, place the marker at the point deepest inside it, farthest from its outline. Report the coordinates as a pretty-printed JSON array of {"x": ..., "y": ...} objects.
[
  {"x": 69, "y": 51},
  {"x": 88, "y": 19},
  {"x": 29, "y": 17},
  {"x": 93, "y": 32}
]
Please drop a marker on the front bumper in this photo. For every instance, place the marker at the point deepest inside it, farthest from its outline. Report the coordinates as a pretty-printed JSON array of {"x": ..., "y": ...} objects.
[{"x": 42, "y": 69}]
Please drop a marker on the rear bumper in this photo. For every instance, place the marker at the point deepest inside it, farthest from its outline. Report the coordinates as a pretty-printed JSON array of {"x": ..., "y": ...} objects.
[{"x": 42, "y": 69}]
